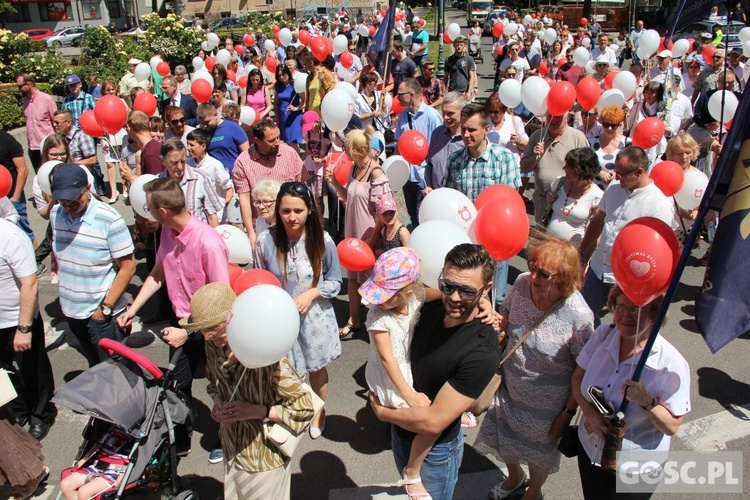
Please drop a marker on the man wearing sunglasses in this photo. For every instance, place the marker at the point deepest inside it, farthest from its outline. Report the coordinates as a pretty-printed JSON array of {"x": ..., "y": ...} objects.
[
  {"x": 633, "y": 195},
  {"x": 177, "y": 123},
  {"x": 708, "y": 79},
  {"x": 173, "y": 98},
  {"x": 569, "y": 72},
  {"x": 453, "y": 359}
]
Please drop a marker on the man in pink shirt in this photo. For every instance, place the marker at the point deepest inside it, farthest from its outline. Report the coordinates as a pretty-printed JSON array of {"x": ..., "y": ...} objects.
[
  {"x": 39, "y": 110},
  {"x": 267, "y": 158}
]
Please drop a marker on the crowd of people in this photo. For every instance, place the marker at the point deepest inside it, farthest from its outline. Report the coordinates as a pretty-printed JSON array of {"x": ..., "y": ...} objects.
[{"x": 275, "y": 179}]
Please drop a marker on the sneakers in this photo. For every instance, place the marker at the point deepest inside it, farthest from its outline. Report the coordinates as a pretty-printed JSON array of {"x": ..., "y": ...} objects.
[
  {"x": 40, "y": 269},
  {"x": 216, "y": 456}
]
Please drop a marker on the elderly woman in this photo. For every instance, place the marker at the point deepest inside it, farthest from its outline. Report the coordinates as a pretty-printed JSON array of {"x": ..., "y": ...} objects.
[
  {"x": 244, "y": 399},
  {"x": 574, "y": 197},
  {"x": 608, "y": 142},
  {"x": 182, "y": 80},
  {"x": 264, "y": 198},
  {"x": 658, "y": 401},
  {"x": 654, "y": 105},
  {"x": 534, "y": 404},
  {"x": 684, "y": 150}
]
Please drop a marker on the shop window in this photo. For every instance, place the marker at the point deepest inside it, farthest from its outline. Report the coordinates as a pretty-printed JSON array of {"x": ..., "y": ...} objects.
[
  {"x": 91, "y": 9},
  {"x": 56, "y": 11}
]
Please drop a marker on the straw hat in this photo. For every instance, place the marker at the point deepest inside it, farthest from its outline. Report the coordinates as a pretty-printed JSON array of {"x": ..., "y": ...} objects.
[{"x": 209, "y": 306}]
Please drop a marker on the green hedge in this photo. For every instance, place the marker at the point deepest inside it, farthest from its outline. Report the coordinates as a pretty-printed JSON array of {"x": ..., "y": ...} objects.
[{"x": 11, "y": 105}]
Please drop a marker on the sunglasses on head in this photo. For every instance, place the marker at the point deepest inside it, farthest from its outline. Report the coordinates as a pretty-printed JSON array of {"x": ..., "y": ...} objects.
[{"x": 295, "y": 187}]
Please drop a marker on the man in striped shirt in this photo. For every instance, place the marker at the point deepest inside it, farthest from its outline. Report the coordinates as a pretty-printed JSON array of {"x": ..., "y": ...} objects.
[{"x": 95, "y": 253}]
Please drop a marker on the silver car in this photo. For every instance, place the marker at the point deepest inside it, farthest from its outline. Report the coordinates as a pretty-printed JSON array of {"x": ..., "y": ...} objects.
[{"x": 65, "y": 37}]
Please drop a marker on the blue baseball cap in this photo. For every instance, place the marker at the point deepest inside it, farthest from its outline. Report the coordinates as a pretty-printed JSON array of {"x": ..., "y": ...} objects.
[
  {"x": 72, "y": 79},
  {"x": 377, "y": 144},
  {"x": 68, "y": 182}
]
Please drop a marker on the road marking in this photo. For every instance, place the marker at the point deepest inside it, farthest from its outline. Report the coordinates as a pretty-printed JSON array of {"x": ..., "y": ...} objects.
[{"x": 713, "y": 432}]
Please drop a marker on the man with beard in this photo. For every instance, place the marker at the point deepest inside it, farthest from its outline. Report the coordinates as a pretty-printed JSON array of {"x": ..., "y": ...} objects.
[
  {"x": 39, "y": 110},
  {"x": 453, "y": 358}
]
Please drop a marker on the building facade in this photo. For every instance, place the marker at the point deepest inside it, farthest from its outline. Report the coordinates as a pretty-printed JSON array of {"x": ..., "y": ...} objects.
[{"x": 56, "y": 15}]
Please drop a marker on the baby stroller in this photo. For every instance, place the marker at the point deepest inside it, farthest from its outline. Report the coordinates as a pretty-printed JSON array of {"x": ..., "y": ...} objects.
[
  {"x": 475, "y": 48},
  {"x": 129, "y": 394}
]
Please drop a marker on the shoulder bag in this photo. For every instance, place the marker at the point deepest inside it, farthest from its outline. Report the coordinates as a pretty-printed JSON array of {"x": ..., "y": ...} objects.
[{"x": 547, "y": 217}]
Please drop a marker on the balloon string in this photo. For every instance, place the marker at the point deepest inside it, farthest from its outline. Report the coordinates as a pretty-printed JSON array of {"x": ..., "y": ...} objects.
[
  {"x": 242, "y": 375},
  {"x": 112, "y": 150}
]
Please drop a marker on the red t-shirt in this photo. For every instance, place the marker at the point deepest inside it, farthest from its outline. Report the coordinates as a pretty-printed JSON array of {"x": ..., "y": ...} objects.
[{"x": 151, "y": 158}]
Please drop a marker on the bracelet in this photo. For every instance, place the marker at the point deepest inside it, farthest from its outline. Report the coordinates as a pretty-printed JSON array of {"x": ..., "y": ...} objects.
[{"x": 570, "y": 412}]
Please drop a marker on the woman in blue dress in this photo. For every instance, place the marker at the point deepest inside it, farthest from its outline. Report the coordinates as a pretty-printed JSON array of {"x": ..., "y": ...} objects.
[
  {"x": 289, "y": 107},
  {"x": 303, "y": 257}
]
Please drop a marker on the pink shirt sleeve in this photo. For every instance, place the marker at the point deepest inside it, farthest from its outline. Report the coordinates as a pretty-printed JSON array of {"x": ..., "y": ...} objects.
[
  {"x": 239, "y": 176},
  {"x": 216, "y": 260}
]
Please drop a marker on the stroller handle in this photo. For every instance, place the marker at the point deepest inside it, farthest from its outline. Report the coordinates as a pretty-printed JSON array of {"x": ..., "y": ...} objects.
[{"x": 111, "y": 347}]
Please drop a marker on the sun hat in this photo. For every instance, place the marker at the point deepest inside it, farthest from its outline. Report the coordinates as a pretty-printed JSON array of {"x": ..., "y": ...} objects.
[
  {"x": 394, "y": 270},
  {"x": 385, "y": 203},
  {"x": 134, "y": 62},
  {"x": 309, "y": 119},
  {"x": 209, "y": 306},
  {"x": 68, "y": 182},
  {"x": 664, "y": 53}
]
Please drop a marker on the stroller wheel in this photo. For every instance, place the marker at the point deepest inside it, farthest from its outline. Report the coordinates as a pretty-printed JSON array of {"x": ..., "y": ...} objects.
[{"x": 182, "y": 495}]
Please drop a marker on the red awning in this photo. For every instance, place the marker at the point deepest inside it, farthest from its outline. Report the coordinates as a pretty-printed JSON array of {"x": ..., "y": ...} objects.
[{"x": 39, "y": 1}]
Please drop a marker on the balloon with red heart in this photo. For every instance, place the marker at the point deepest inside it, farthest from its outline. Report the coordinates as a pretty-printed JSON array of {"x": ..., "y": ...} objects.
[
  {"x": 346, "y": 59},
  {"x": 668, "y": 176},
  {"x": 201, "y": 90},
  {"x": 111, "y": 113},
  {"x": 413, "y": 146},
  {"x": 162, "y": 68},
  {"x": 644, "y": 257},
  {"x": 355, "y": 254},
  {"x": 87, "y": 122},
  {"x": 321, "y": 47},
  {"x": 502, "y": 228},
  {"x": 146, "y": 102},
  {"x": 254, "y": 277},
  {"x": 648, "y": 133}
]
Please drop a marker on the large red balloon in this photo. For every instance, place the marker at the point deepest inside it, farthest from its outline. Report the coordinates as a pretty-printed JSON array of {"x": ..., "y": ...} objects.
[
  {"x": 543, "y": 68},
  {"x": 648, "y": 133},
  {"x": 609, "y": 80},
  {"x": 146, "y": 102},
  {"x": 446, "y": 37},
  {"x": 342, "y": 167},
  {"x": 87, "y": 122},
  {"x": 304, "y": 37},
  {"x": 668, "y": 176},
  {"x": 321, "y": 47},
  {"x": 708, "y": 53},
  {"x": 644, "y": 257},
  {"x": 201, "y": 90},
  {"x": 372, "y": 30},
  {"x": 499, "y": 193},
  {"x": 162, "y": 68},
  {"x": 561, "y": 98},
  {"x": 111, "y": 113},
  {"x": 235, "y": 272},
  {"x": 210, "y": 62},
  {"x": 502, "y": 228},
  {"x": 346, "y": 59},
  {"x": 6, "y": 181},
  {"x": 253, "y": 277},
  {"x": 275, "y": 28},
  {"x": 271, "y": 64},
  {"x": 588, "y": 93},
  {"x": 240, "y": 49},
  {"x": 250, "y": 39},
  {"x": 231, "y": 76},
  {"x": 355, "y": 254},
  {"x": 584, "y": 21},
  {"x": 497, "y": 29},
  {"x": 413, "y": 146},
  {"x": 561, "y": 62},
  {"x": 242, "y": 82}
]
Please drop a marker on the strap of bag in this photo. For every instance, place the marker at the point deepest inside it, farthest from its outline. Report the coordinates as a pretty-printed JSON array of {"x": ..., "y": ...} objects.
[{"x": 523, "y": 338}]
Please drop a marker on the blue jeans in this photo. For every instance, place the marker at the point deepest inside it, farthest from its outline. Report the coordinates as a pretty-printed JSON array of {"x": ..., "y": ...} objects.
[
  {"x": 23, "y": 219},
  {"x": 440, "y": 469},
  {"x": 595, "y": 293},
  {"x": 500, "y": 281},
  {"x": 90, "y": 331},
  {"x": 413, "y": 196}
]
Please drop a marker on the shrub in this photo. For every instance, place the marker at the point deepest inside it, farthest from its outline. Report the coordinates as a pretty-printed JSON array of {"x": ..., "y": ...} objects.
[
  {"x": 105, "y": 56},
  {"x": 17, "y": 56},
  {"x": 169, "y": 36},
  {"x": 264, "y": 22}
]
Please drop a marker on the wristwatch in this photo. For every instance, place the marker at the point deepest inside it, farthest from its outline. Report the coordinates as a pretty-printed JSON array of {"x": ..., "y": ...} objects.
[
  {"x": 106, "y": 309},
  {"x": 24, "y": 328},
  {"x": 651, "y": 405}
]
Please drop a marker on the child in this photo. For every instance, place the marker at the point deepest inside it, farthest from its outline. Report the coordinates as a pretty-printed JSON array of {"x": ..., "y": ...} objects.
[
  {"x": 197, "y": 144},
  {"x": 158, "y": 128},
  {"x": 394, "y": 234},
  {"x": 100, "y": 469}
]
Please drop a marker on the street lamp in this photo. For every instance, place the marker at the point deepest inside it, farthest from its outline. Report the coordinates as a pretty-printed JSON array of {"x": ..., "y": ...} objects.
[{"x": 441, "y": 28}]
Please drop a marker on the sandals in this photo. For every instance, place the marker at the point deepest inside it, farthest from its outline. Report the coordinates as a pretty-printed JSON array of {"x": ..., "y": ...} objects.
[
  {"x": 498, "y": 493},
  {"x": 405, "y": 482},
  {"x": 347, "y": 330},
  {"x": 469, "y": 420}
]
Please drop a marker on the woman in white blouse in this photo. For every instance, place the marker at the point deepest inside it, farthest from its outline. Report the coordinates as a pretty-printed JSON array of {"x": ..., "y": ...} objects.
[{"x": 506, "y": 128}]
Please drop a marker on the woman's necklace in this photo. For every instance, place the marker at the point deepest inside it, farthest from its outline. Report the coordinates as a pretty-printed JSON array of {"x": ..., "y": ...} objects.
[
  {"x": 363, "y": 171},
  {"x": 569, "y": 196}
]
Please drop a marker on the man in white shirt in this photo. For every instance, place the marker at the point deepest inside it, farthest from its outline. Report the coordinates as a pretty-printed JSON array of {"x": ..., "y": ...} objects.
[
  {"x": 635, "y": 38},
  {"x": 666, "y": 74},
  {"x": 737, "y": 67},
  {"x": 602, "y": 49}
]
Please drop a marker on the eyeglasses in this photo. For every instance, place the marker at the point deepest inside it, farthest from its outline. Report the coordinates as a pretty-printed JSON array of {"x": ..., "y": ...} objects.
[
  {"x": 465, "y": 293},
  {"x": 568, "y": 56},
  {"x": 713, "y": 133},
  {"x": 620, "y": 175},
  {"x": 545, "y": 275},
  {"x": 622, "y": 309},
  {"x": 716, "y": 58},
  {"x": 58, "y": 122},
  {"x": 177, "y": 121},
  {"x": 610, "y": 125},
  {"x": 266, "y": 204},
  {"x": 402, "y": 93}
]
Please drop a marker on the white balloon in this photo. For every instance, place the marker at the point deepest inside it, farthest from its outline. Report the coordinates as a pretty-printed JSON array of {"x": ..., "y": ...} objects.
[
  {"x": 138, "y": 196},
  {"x": 388, "y": 101},
  {"x": 449, "y": 205},
  {"x": 586, "y": 42},
  {"x": 213, "y": 39},
  {"x": 42, "y": 175},
  {"x": 142, "y": 72},
  {"x": 510, "y": 93},
  {"x": 203, "y": 74},
  {"x": 432, "y": 240},
  {"x": 746, "y": 48},
  {"x": 534, "y": 94},
  {"x": 300, "y": 83},
  {"x": 240, "y": 250},
  {"x": 611, "y": 97},
  {"x": 155, "y": 61},
  {"x": 511, "y": 29},
  {"x": 340, "y": 43},
  {"x": 363, "y": 30},
  {"x": 643, "y": 53},
  {"x": 207, "y": 47},
  {"x": 681, "y": 47},
  {"x": 691, "y": 193},
  {"x": 649, "y": 41},
  {"x": 262, "y": 325},
  {"x": 744, "y": 34},
  {"x": 397, "y": 170},
  {"x": 730, "y": 105},
  {"x": 625, "y": 82},
  {"x": 550, "y": 35},
  {"x": 223, "y": 57},
  {"x": 285, "y": 36},
  {"x": 197, "y": 63},
  {"x": 581, "y": 56},
  {"x": 527, "y": 19},
  {"x": 270, "y": 46},
  {"x": 247, "y": 115},
  {"x": 337, "y": 109},
  {"x": 348, "y": 88},
  {"x": 454, "y": 30}
]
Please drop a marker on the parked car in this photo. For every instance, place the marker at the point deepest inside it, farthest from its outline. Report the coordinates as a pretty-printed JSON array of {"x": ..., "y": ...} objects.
[
  {"x": 65, "y": 37},
  {"x": 38, "y": 33},
  {"x": 230, "y": 27},
  {"x": 693, "y": 30}
]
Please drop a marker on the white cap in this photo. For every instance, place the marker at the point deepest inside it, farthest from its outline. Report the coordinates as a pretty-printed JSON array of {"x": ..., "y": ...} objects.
[{"x": 664, "y": 53}]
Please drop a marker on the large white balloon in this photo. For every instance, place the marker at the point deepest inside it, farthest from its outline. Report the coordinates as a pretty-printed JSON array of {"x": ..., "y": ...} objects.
[
  {"x": 223, "y": 57},
  {"x": 337, "y": 109},
  {"x": 363, "y": 30},
  {"x": 527, "y": 19},
  {"x": 240, "y": 250},
  {"x": 207, "y": 47},
  {"x": 534, "y": 94},
  {"x": 397, "y": 170},
  {"x": 510, "y": 29},
  {"x": 213, "y": 39},
  {"x": 270, "y": 46},
  {"x": 247, "y": 115},
  {"x": 649, "y": 41},
  {"x": 348, "y": 88},
  {"x": 138, "y": 196},
  {"x": 262, "y": 325},
  {"x": 285, "y": 37},
  {"x": 625, "y": 82},
  {"x": 730, "y": 105},
  {"x": 510, "y": 93},
  {"x": 340, "y": 43},
  {"x": 42, "y": 176},
  {"x": 155, "y": 61},
  {"x": 581, "y": 56},
  {"x": 300, "y": 82},
  {"x": 680, "y": 47},
  {"x": 611, "y": 97},
  {"x": 449, "y": 205},
  {"x": 203, "y": 74},
  {"x": 744, "y": 34},
  {"x": 432, "y": 240},
  {"x": 586, "y": 42},
  {"x": 197, "y": 63},
  {"x": 550, "y": 35},
  {"x": 643, "y": 53},
  {"x": 142, "y": 72},
  {"x": 691, "y": 193},
  {"x": 454, "y": 30},
  {"x": 746, "y": 49}
]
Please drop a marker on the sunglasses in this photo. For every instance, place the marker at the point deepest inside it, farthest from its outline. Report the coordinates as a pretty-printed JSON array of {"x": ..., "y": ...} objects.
[
  {"x": 297, "y": 187},
  {"x": 545, "y": 275},
  {"x": 610, "y": 125},
  {"x": 177, "y": 121},
  {"x": 465, "y": 293}
]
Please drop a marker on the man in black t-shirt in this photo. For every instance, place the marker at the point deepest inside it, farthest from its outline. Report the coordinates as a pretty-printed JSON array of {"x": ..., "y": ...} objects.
[
  {"x": 460, "y": 70},
  {"x": 453, "y": 358}
]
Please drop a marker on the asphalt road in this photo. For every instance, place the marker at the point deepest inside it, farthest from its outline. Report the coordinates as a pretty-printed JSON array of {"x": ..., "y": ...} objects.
[{"x": 353, "y": 459}]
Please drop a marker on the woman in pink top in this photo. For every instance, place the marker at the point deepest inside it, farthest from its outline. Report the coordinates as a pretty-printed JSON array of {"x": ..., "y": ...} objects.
[{"x": 258, "y": 96}]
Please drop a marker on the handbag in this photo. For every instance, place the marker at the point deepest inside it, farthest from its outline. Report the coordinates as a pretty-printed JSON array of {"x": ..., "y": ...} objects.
[
  {"x": 7, "y": 390},
  {"x": 547, "y": 217},
  {"x": 483, "y": 402},
  {"x": 281, "y": 436},
  {"x": 568, "y": 444}
]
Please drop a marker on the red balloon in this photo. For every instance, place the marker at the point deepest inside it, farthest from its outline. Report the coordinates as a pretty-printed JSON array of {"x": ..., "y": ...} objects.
[
  {"x": 271, "y": 64},
  {"x": 231, "y": 76},
  {"x": 413, "y": 146},
  {"x": 250, "y": 40},
  {"x": 111, "y": 113},
  {"x": 355, "y": 254},
  {"x": 87, "y": 122},
  {"x": 588, "y": 93},
  {"x": 346, "y": 60},
  {"x": 396, "y": 107},
  {"x": 253, "y": 277},
  {"x": 242, "y": 82},
  {"x": 648, "y": 133},
  {"x": 240, "y": 49},
  {"x": 321, "y": 47},
  {"x": 561, "y": 98},
  {"x": 502, "y": 228},
  {"x": 499, "y": 50},
  {"x": 560, "y": 63},
  {"x": 276, "y": 39},
  {"x": 610, "y": 79},
  {"x": 304, "y": 37},
  {"x": 499, "y": 193},
  {"x": 201, "y": 90},
  {"x": 584, "y": 21},
  {"x": 668, "y": 176},
  {"x": 209, "y": 63},
  {"x": 446, "y": 37},
  {"x": 400, "y": 16},
  {"x": 235, "y": 272},
  {"x": 550, "y": 81},
  {"x": 275, "y": 28},
  {"x": 162, "y": 68},
  {"x": 342, "y": 167},
  {"x": 497, "y": 29},
  {"x": 372, "y": 30},
  {"x": 6, "y": 181},
  {"x": 146, "y": 102},
  {"x": 708, "y": 53},
  {"x": 644, "y": 257},
  {"x": 422, "y": 22},
  {"x": 543, "y": 68}
]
